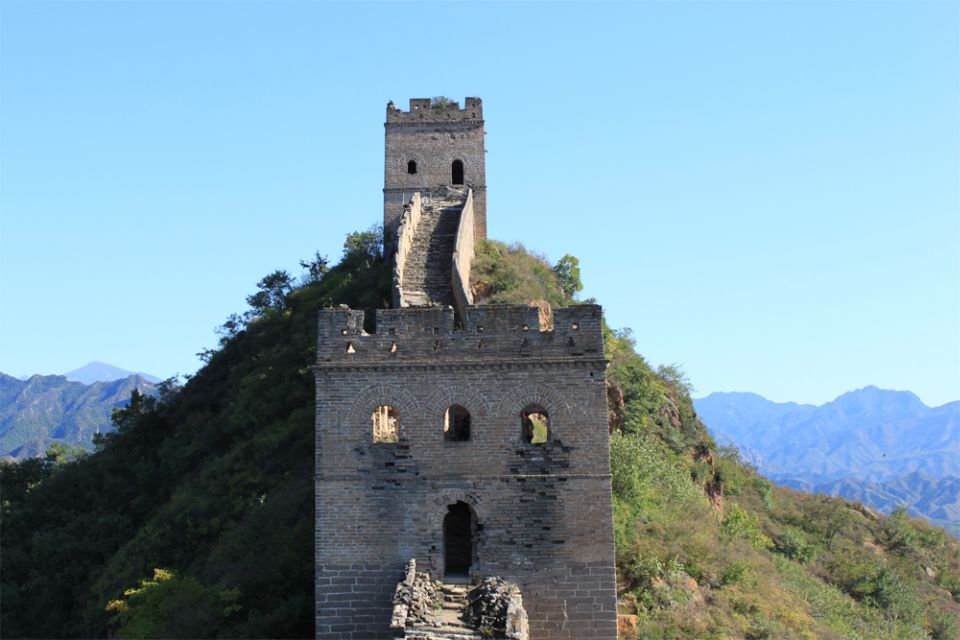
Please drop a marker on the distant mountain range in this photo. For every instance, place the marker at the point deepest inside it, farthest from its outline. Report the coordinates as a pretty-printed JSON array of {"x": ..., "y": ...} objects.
[
  {"x": 884, "y": 448},
  {"x": 45, "y": 409}
]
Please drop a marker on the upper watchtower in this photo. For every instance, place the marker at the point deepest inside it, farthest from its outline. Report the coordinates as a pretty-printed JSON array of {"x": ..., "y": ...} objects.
[{"x": 434, "y": 144}]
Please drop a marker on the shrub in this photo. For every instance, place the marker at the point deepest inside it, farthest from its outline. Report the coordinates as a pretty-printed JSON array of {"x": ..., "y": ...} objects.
[
  {"x": 944, "y": 626},
  {"x": 764, "y": 489},
  {"x": 738, "y": 573},
  {"x": 509, "y": 274},
  {"x": 949, "y": 579},
  {"x": 902, "y": 534},
  {"x": 738, "y": 524},
  {"x": 795, "y": 546},
  {"x": 732, "y": 476},
  {"x": 644, "y": 473}
]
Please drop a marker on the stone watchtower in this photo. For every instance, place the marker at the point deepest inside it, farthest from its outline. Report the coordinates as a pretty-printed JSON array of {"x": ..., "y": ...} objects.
[
  {"x": 472, "y": 441},
  {"x": 431, "y": 146}
]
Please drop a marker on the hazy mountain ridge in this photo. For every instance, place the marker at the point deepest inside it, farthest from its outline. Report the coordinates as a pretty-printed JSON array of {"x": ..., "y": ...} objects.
[
  {"x": 885, "y": 448},
  {"x": 45, "y": 409}
]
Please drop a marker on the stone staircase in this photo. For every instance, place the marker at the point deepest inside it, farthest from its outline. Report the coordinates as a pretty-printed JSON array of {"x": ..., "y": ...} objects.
[
  {"x": 428, "y": 271},
  {"x": 448, "y": 622}
]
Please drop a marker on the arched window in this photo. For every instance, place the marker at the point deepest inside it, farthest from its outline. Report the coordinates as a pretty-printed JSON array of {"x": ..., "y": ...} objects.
[
  {"x": 457, "y": 172},
  {"x": 535, "y": 422},
  {"x": 459, "y": 528},
  {"x": 412, "y": 166},
  {"x": 456, "y": 424},
  {"x": 386, "y": 424}
]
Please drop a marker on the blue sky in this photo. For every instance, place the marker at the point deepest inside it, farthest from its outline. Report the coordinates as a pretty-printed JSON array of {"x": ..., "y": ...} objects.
[{"x": 767, "y": 193}]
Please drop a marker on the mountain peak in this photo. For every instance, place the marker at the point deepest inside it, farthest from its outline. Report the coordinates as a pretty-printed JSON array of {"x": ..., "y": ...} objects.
[
  {"x": 873, "y": 399},
  {"x": 104, "y": 372}
]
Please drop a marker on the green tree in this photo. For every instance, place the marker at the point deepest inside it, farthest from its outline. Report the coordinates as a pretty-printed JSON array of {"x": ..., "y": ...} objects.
[
  {"x": 568, "y": 273},
  {"x": 365, "y": 247},
  {"x": 315, "y": 268},
  {"x": 676, "y": 378},
  {"x": 169, "y": 605},
  {"x": 58, "y": 453},
  {"x": 272, "y": 292}
]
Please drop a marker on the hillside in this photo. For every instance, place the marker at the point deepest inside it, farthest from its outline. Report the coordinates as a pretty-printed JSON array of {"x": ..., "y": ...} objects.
[
  {"x": 884, "y": 448},
  {"x": 936, "y": 499},
  {"x": 195, "y": 518},
  {"x": 51, "y": 409}
]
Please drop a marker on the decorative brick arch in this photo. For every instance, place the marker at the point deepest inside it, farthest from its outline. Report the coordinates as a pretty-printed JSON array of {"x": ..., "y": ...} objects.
[
  {"x": 546, "y": 397},
  {"x": 437, "y": 507},
  {"x": 445, "y": 395},
  {"x": 380, "y": 394}
]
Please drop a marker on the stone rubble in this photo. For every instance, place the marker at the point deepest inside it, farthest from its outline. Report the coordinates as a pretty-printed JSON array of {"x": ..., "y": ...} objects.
[
  {"x": 414, "y": 599},
  {"x": 428, "y": 610},
  {"x": 497, "y": 605}
]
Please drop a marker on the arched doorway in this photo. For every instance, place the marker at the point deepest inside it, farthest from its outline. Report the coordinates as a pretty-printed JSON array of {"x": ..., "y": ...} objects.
[
  {"x": 459, "y": 525},
  {"x": 457, "y": 172}
]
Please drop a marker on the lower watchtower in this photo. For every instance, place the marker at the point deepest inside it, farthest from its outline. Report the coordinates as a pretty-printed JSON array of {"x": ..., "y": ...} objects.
[{"x": 476, "y": 452}]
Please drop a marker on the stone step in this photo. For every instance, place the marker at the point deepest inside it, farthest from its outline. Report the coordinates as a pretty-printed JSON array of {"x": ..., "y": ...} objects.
[{"x": 427, "y": 273}]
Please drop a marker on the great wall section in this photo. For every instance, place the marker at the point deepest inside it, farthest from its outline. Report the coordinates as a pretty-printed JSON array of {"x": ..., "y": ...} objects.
[{"x": 462, "y": 450}]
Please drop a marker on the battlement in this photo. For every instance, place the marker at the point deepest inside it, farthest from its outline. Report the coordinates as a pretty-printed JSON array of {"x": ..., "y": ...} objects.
[
  {"x": 429, "y": 334},
  {"x": 423, "y": 110}
]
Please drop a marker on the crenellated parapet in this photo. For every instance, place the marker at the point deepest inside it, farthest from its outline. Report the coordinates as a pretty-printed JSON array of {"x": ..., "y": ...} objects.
[
  {"x": 424, "y": 111},
  {"x": 490, "y": 332}
]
